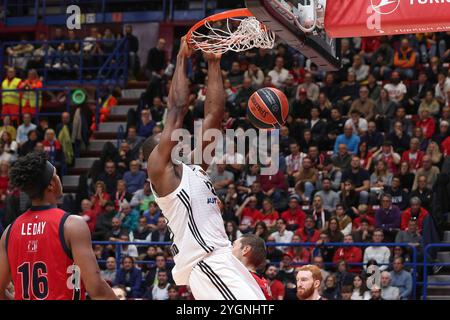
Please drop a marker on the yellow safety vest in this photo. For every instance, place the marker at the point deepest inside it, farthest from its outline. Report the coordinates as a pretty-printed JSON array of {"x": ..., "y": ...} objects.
[
  {"x": 10, "y": 97},
  {"x": 30, "y": 97}
]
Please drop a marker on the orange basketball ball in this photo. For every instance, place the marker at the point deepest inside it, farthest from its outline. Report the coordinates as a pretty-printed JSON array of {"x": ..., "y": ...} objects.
[{"x": 268, "y": 108}]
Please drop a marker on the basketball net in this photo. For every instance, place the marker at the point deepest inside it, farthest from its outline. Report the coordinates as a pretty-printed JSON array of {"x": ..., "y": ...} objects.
[{"x": 224, "y": 36}]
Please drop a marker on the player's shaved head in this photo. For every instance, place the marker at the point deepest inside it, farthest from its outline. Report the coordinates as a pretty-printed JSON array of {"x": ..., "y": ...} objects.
[{"x": 149, "y": 144}]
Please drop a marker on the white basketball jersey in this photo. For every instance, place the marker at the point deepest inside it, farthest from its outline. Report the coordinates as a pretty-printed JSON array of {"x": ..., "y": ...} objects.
[{"x": 195, "y": 220}]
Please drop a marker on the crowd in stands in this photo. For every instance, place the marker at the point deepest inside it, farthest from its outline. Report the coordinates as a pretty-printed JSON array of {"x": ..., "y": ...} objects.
[
  {"x": 361, "y": 156},
  {"x": 63, "y": 55}
]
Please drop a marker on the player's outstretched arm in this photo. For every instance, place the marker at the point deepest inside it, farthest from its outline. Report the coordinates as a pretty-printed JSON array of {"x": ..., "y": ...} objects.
[
  {"x": 215, "y": 99},
  {"x": 177, "y": 107},
  {"x": 78, "y": 238},
  {"x": 5, "y": 275}
]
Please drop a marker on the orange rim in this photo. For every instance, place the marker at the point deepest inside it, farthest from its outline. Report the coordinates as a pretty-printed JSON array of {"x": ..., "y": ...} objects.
[{"x": 243, "y": 12}]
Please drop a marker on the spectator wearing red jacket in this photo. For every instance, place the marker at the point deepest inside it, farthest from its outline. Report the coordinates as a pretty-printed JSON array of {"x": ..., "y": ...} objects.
[
  {"x": 268, "y": 214},
  {"x": 363, "y": 214},
  {"x": 89, "y": 215},
  {"x": 294, "y": 216},
  {"x": 349, "y": 254},
  {"x": 276, "y": 286},
  {"x": 247, "y": 214},
  {"x": 415, "y": 211},
  {"x": 413, "y": 156},
  {"x": 273, "y": 186},
  {"x": 445, "y": 147},
  {"x": 308, "y": 233},
  {"x": 427, "y": 123}
]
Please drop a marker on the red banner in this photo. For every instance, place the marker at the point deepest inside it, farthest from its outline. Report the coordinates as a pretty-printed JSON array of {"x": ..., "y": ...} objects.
[{"x": 362, "y": 18}]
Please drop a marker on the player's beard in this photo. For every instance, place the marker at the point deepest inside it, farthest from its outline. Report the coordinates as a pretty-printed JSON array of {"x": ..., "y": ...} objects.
[{"x": 305, "y": 293}]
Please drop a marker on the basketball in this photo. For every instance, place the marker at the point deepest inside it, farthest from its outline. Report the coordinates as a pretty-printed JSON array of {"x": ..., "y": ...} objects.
[{"x": 268, "y": 108}]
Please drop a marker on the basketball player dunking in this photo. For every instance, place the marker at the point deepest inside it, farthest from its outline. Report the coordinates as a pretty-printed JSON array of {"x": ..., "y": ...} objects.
[
  {"x": 46, "y": 252},
  {"x": 202, "y": 251}
]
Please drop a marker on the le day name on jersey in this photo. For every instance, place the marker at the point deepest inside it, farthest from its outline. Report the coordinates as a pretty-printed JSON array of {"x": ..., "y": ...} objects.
[{"x": 223, "y": 309}]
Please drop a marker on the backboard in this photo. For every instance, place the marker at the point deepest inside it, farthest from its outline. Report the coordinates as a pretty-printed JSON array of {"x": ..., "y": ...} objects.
[{"x": 284, "y": 19}]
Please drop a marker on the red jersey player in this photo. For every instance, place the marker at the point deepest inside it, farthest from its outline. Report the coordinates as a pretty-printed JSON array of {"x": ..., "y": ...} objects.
[
  {"x": 46, "y": 252},
  {"x": 251, "y": 251}
]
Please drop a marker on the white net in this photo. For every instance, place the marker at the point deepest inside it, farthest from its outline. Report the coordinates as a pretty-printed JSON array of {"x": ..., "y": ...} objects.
[{"x": 235, "y": 34}]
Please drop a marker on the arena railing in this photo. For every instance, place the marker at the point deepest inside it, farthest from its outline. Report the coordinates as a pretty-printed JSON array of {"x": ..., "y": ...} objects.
[
  {"x": 413, "y": 264},
  {"x": 38, "y": 97},
  {"x": 111, "y": 68},
  {"x": 427, "y": 263}
]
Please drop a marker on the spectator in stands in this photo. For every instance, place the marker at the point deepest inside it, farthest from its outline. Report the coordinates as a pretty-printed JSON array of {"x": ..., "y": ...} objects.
[
  {"x": 24, "y": 129},
  {"x": 31, "y": 98},
  {"x": 414, "y": 212},
  {"x": 380, "y": 254},
  {"x": 406, "y": 176},
  {"x": 359, "y": 68},
  {"x": 109, "y": 274},
  {"x": 410, "y": 235},
  {"x": 9, "y": 145},
  {"x": 414, "y": 156},
  {"x": 116, "y": 231},
  {"x": 268, "y": 214},
  {"x": 10, "y": 98},
  {"x": 100, "y": 198},
  {"x": 384, "y": 110},
  {"x": 364, "y": 104},
  {"x": 282, "y": 235},
  {"x": 388, "y": 217},
  {"x": 273, "y": 186},
  {"x": 424, "y": 193},
  {"x": 430, "y": 103},
  {"x": 342, "y": 159},
  {"x": 134, "y": 141},
  {"x": 278, "y": 74},
  {"x": 133, "y": 48},
  {"x": 434, "y": 153},
  {"x": 146, "y": 124},
  {"x": 345, "y": 222},
  {"x": 329, "y": 197},
  {"x": 429, "y": 171},
  {"x": 349, "y": 139},
  {"x": 312, "y": 89},
  {"x": 306, "y": 179},
  {"x": 142, "y": 198},
  {"x": 405, "y": 60},
  {"x": 286, "y": 275},
  {"x": 442, "y": 87},
  {"x": 127, "y": 217},
  {"x": 333, "y": 231},
  {"x": 363, "y": 233},
  {"x": 359, "y": 177},
  {"x": 156, "y": 58},
  {"x": 388, "y": 292},
  {"x": 221, "y": 178},
  {"x": 359, "y": 124},
  {"x": 315, "y": 124},
  {"x": 130, "y": 277},
  {"x": 244, "y": 93},
  {"x": 319, "y": 214},
  {"x": 255, "y": 73},
  {"x": 331, "y": 291},
  {"x": 110, "y": 177},
  {"x": 8, "y": 127},
  {"x": 104, "y": 222},
  {"x": 360, "y": 291},
  {"x": 399, "y": 196},
  {"x": 53, "y": 149},
  {"x": 401, "y": 279},
  {"x": 161, "y": 234},
  {"x": 349, "y": 254},
  {"x": 42, "y": 128},
  {"x": 362, "y": 214},
  {"x": 375, "y": 293},
  {"x": 276, "y": 287},
  {"x": 383, "y": 59},
  {"x": 426, "y": 123},
  {"x": 88, "y": 215},
  {"x": 151, "y": 277},
  {"x": 122, "y": 195},
  {"x": 134, "y": 178},
  {"x": 308, "y": 233},
  {"x": 396, "y": 88}
]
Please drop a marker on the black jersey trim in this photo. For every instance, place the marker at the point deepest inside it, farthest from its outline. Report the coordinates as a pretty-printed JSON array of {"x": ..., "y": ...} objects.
[
  {"x": 218, "y": 280},
  {"x": 185, "y": 199},
  {"x": 62, "y": 238},
  {"x": 214, "y": 282}
]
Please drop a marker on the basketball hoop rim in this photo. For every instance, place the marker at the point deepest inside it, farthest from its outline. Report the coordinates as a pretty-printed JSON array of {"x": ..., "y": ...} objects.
[{"x": 242, "y": 12}]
